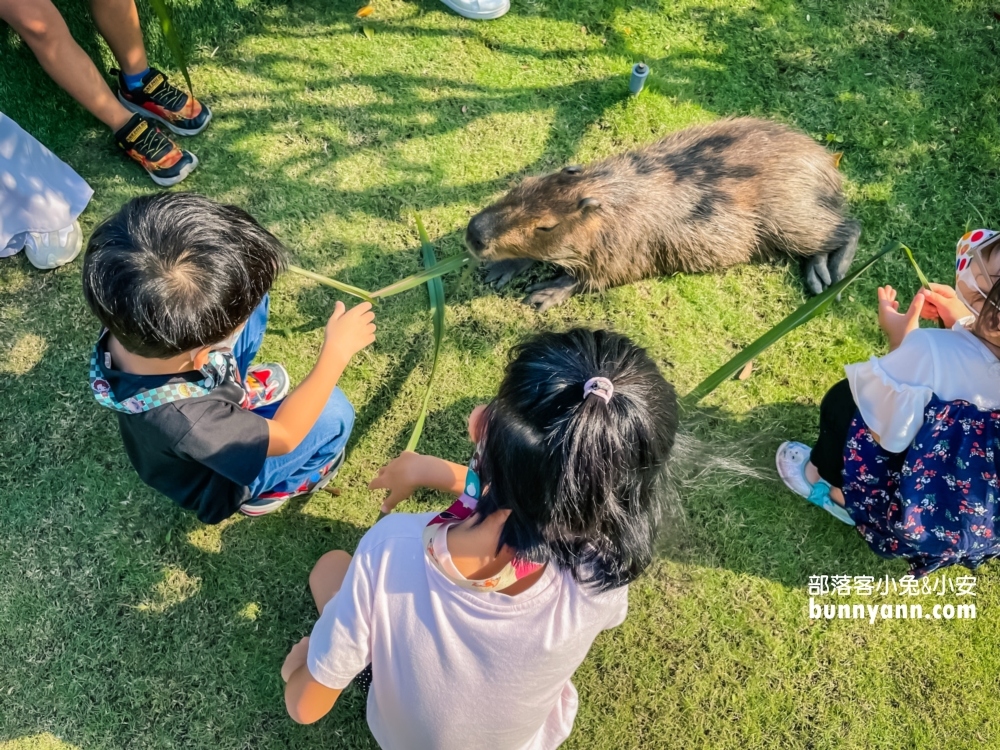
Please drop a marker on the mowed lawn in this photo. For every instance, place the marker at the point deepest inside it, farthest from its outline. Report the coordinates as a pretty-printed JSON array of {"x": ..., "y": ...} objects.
[{"x": 125, "y": 623}]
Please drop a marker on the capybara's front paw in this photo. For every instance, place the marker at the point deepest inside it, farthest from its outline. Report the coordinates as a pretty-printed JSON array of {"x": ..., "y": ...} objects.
[
  {"x": 502, "y": 272},
  {"x": 551, "y": 293}
]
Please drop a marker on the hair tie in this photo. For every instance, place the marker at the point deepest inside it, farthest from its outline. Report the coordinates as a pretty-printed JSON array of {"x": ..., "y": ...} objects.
[{"x": 601, "y": 387}]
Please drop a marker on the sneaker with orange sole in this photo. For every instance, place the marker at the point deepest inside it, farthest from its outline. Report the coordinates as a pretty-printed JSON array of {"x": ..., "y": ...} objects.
[
  {"x": 144, "y": 143},
  {"x": 156, "y": 97}
]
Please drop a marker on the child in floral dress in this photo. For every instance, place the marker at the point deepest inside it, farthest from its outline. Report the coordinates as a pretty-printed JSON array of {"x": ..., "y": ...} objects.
[{"x": 909, "y": 442}]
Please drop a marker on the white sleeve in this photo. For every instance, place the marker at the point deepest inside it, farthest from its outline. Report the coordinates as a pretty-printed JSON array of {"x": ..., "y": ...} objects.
[
  {"x": 892, "y": 391},
  {"x": 339, "y": 646},
  {"x": 618, "y": 609}
]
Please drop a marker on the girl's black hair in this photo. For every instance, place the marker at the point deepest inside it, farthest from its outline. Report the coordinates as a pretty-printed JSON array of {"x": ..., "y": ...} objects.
[
  {"x": 581, "y": 477},
  {"x": 176, "y": 271},
  {"x": 988, "y": 320}
]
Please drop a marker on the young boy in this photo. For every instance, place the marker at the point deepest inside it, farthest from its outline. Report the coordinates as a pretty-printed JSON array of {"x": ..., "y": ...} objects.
[{"x": 181, "y": 283}]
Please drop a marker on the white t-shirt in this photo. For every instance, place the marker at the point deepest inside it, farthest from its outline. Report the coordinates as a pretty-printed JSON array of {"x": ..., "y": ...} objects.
[
  {"x": 454, "y": 669},
  {"x": 892, "y": 391}
]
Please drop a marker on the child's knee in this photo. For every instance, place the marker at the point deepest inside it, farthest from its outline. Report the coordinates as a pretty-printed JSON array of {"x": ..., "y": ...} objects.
[
  {"x": 329, "y": 569},
  {"x": 339, "y": 411},
  {"x": 35, "y": 24}
]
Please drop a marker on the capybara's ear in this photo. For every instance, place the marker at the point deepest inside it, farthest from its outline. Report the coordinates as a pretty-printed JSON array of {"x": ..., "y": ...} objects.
[
  {"x": 572, "y": 169},
  {"x": 587, "y": 204}
]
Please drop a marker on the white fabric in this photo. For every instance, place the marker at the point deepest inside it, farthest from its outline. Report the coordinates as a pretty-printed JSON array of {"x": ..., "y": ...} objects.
[
  {"x": 38, "y": 191},
  {"x": 892, "y": 391},
  {"x": 454, "y": 669}
]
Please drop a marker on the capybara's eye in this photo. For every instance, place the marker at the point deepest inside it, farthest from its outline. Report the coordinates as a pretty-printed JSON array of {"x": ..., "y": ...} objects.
[{"x": 546, "y": 229}]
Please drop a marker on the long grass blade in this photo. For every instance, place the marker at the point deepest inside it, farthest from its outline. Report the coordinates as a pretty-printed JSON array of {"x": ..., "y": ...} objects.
[
  {"x": 173, "y": 41},
  {"x": 339, "y": 285},
  {"x": 803, "y": 314},
  {"x": 920, "y": 274},
  {"x": 435, "y": 291},
  {"x": 440, "y": 268}
]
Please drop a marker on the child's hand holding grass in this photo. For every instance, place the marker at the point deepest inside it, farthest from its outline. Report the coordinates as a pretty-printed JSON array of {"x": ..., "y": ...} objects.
[
  {"x": 896, "y": 324},
  {"x": 941, "y": 302},
  {"x": 349, "y": 331}
]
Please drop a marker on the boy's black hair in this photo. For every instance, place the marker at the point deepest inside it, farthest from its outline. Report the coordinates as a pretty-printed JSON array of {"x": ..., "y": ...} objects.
[
  {"x": 176, "y": 271},
  {"x": 582, "y": 477}
]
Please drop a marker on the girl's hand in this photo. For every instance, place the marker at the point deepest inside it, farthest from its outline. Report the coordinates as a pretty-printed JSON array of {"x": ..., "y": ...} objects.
[
  {"x": 895, "y": 324},
  {"x": 296, "y": 659},
  {"x": 941, "y": 302},
  {"x": 400, "y": 476}
]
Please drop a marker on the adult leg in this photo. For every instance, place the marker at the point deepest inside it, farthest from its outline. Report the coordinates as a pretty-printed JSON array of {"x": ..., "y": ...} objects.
[
  {"x": 118, "y": 22},
  {"x": 327, "y": 577},
  {"x": 46, "y": 33}
]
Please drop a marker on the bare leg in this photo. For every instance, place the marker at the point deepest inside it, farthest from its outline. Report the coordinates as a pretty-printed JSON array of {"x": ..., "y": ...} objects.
[
  {"x": 812, "y": 476},
  {"x": 45, "y": 32},
  {"x": 118, "y": 22},
  {"x": 328, "y": 576}
]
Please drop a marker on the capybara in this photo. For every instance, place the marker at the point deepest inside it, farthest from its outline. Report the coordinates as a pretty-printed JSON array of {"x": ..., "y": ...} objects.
[{"x": 703, "y": 198}]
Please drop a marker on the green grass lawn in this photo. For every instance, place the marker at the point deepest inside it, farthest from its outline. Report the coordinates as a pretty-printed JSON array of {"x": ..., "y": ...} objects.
[{"x": 125, "y": 623}]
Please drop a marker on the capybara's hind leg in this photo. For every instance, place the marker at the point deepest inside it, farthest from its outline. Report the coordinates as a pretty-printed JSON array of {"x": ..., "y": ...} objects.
[
  {"x": 830, "y": 266},
  {"x": 502, "y": 272},
  {"x": 817, "y": 273},
  {"x": 842, "y": 255},
  {"x": 548, "y": 294}
]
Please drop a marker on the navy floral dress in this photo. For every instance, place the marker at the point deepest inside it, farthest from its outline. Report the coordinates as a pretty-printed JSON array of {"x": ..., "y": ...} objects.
[{"x": 943, "y": 505}]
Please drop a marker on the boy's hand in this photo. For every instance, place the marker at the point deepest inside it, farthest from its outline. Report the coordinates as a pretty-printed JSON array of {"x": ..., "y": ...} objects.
[
  {"x": 895, "y": 324},
  {"x": 400, "y": 476},
  {"x": 296, "y": 658},
  {"x": 350, "y": 331},
  {"x": 941, "y": 302}
]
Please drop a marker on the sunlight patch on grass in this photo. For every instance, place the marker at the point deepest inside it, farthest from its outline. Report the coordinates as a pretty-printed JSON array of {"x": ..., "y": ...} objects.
[
  {"x": 176, "y": 587},
  {"x": 209, "y": 538},
  {"x": 22, "y": 356},
  {"x": 250, "y": 612},
  {"x": 45, "y": 741}
]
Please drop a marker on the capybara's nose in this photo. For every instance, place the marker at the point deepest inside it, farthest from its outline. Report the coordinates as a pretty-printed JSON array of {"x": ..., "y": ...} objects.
[{"x": 474, "y": 233}]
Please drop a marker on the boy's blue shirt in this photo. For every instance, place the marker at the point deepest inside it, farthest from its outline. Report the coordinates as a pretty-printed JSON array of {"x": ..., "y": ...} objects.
[{"x": 187, "y": 436}]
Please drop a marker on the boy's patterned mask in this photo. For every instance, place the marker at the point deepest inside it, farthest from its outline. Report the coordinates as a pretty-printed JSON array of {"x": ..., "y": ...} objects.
[{"x": 977, "y": 268}]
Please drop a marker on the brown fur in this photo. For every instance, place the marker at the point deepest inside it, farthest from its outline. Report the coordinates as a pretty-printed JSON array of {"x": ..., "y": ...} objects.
[{"x": 701, "y": 199}]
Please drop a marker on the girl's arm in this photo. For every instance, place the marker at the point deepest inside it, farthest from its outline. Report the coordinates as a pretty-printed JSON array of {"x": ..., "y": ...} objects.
[
  {"x": 896, "y": 324},
  {"x": 307, "y": 701},
  {"x": 409, "y": 471},
  {"x": 942, "y": 303}
]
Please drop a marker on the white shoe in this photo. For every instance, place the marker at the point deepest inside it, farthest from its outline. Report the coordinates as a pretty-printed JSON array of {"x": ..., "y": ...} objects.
[
  {"x": 479, "y": 10},
  {"x": 48, "y": 250},
  {"x": 791, "y": 461}
]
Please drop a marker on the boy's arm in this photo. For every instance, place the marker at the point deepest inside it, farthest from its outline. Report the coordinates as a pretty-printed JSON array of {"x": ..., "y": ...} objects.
[
  {"x": 306, "y": 699},
  {"x": 347, "y": 333},
  {"x": 409, "y": 470}
]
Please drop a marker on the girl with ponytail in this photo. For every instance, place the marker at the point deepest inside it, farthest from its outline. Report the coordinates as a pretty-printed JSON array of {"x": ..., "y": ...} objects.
[{"x": 469, "y": 624}]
